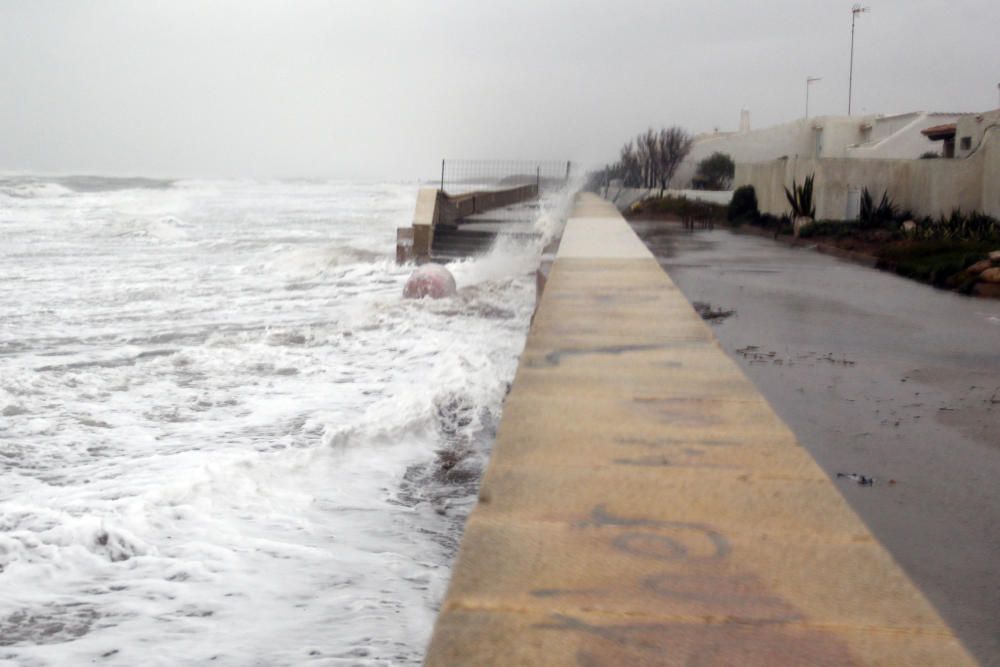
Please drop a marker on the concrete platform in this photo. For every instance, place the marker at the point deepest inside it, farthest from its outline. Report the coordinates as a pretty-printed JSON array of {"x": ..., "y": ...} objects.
[{"x": 645, "y": 506}]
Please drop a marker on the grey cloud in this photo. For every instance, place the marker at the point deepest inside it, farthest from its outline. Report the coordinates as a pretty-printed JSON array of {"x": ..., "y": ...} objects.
[{"x": 386, "y": 88}]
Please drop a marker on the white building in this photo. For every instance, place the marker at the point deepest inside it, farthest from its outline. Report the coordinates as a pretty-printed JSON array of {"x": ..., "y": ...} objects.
[
  {"x": 963, "y": 137},
  {"x": 883, "y": 161},
  {"x": 895, "y": 136}
]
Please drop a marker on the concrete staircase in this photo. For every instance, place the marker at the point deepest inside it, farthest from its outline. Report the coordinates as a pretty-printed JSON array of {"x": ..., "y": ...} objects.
[{"x": 454, "y": 243}]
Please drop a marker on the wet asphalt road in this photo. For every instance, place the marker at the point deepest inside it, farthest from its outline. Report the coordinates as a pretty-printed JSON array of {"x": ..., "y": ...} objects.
[{"x": 880, "y": 376}]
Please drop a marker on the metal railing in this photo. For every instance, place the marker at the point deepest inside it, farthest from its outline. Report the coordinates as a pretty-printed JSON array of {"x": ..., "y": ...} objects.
[{"x": 462, "y": 176}]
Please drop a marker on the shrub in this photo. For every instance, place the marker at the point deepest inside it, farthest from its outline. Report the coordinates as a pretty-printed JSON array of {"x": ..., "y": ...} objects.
[
  {"x": 714, "y": 172},
  {"x": 743, "y": 205},
  {"x": 681, "y": 207}
]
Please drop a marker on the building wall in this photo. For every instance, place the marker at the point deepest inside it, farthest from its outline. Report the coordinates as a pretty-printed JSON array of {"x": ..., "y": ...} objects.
[
  {"x": 890, "y": 137},
  {"x": 925, "y": 187},
  {"x": 991, "y": 171},
  {"x": 795, "y": 138},
  {"x": 889, "y": 125},
  {"x": 837, "y": 135},
  {"x": 901, "y": 137},
  {"x": 974, "y": 127}
]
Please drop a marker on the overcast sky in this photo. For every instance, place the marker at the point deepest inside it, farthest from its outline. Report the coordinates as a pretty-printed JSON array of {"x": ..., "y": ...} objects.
[{"x": 382, "y": 88}]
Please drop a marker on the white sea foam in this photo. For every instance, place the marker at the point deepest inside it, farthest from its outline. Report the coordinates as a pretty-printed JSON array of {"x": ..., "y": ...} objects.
[{"x": 220, "y": 423}]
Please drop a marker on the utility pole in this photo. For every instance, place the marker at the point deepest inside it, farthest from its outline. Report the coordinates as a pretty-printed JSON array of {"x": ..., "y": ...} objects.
[
  {"x": 809, "y": 80},
  {"x": 855, "y": 10}
]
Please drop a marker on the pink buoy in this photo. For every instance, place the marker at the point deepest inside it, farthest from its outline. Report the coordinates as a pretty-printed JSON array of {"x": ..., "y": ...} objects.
[{"x": 431, "y": 280}]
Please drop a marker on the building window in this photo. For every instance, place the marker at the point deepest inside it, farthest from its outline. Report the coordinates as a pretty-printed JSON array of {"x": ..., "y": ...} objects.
[{"x": 966, "y": 143}]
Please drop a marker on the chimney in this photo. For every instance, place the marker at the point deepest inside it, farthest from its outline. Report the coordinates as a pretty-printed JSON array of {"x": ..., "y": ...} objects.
[{"x": 744, "y": 120}]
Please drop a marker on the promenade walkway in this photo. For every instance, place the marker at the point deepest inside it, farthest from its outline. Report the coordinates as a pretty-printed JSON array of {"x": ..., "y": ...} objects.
[{"x": 645, "y": 506}]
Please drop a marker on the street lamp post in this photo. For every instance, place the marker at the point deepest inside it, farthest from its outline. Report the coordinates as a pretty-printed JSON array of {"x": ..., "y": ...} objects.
[
  {"x": 809, "y": 80},
  {"x": 855, "y": 10}
]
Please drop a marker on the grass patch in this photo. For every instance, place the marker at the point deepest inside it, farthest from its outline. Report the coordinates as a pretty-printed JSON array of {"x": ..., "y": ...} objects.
[
  {"x": 939, "y": 263},
  {"x": 680, "y": 207}
]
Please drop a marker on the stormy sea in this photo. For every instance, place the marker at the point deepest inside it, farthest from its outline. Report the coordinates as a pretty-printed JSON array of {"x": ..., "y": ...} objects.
[{"x": 225, "y": 437}]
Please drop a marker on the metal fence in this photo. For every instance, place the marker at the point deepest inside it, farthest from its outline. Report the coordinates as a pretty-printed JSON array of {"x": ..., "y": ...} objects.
[{"x": 461, "y": 176}]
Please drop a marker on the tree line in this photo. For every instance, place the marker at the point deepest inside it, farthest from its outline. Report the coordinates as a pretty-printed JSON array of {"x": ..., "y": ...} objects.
[{"x": 651, "y": 159}]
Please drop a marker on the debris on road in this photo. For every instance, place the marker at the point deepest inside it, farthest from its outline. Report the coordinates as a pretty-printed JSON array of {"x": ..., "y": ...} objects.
[
  {"x": 863, "y": 480},
  {"x": 710, "y": 314}
]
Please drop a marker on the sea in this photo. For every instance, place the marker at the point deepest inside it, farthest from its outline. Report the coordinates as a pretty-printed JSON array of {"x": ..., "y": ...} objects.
[{"x": 225, "y": 436}]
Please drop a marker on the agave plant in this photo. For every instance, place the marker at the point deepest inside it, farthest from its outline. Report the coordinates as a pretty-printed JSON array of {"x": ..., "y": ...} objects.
[
  {"x": 871, "y": 215},
  {"x": 983, "y": 227},
  {"x": 801, "y": 198},
  {"x": 958, "y": 226}
]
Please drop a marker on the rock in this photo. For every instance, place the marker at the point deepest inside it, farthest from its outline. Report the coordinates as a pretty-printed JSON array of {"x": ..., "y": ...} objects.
[
  {"x": 978, "y": 267},
  {"x": 431, "y": 280},
  {"x": 910, "y": 226},
  {"x": 801, "y": 223},
  {"x": 995, "y": 257},
  {"x": 991, "y": 275}
]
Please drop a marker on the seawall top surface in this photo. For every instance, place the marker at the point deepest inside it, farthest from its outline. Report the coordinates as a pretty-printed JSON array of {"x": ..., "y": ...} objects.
[
  {"x": 644, "y": 505},
  {"x": 597, "y": 230}
]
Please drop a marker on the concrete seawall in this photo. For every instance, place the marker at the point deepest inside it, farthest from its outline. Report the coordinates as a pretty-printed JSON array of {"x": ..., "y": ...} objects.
[
  {"x": 645, "y": 506},
  {"x": 436, "y": 208}
]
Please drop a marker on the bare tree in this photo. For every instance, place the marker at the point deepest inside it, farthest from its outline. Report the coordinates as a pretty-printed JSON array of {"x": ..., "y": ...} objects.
[
  {"x": 673, "y": 145},
  {"x": 629, "y": 166},
  {"x": 642, "y": 157},
  {"x": 651, "y": 158},
  {"x": 649, "y": 155}
]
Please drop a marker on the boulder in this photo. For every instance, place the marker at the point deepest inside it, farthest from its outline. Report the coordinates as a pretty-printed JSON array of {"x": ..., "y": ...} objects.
[
  {"x": 991, "y": 275},
  {"x": 995, "y": 257},
  {"x": 431, "y": 280},
  {"x": 800, "y": 223},
  {"x": 978, "y": 267}
]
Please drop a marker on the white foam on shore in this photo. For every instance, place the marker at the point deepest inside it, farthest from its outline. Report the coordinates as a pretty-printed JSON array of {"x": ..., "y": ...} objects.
[{"x": 219, "y": 425}]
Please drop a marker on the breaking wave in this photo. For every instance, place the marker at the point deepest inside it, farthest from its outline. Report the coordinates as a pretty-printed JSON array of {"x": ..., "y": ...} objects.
[{"x": 227, "y": 438}]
